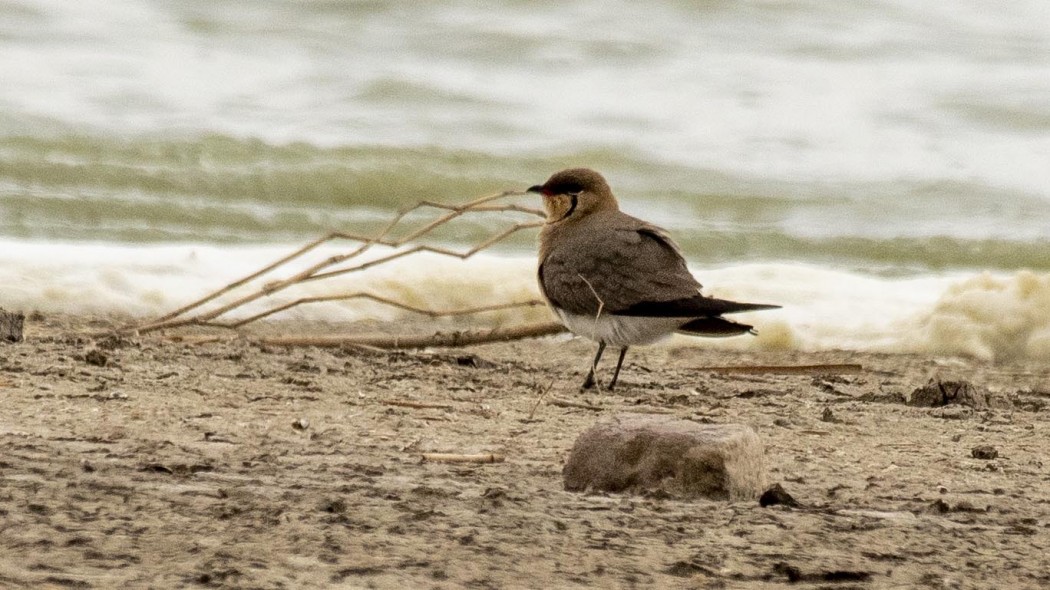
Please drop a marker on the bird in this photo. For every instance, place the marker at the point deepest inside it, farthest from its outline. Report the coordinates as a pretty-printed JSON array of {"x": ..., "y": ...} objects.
[{"x": 616, "y": 279}]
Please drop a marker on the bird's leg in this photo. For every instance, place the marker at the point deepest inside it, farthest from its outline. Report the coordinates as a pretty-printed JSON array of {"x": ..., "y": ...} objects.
[
  {"x": 589, "y": 381},
  {"x": 619, "y": 363}
]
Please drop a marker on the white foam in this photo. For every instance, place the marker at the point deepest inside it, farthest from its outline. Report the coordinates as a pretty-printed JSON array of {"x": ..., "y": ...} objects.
[
  {"x": 992, "y": 317},
  {"x": 988, "y": 316},
  {"x": 827, "y": 309},
  {"x": 148, "y": 281}
]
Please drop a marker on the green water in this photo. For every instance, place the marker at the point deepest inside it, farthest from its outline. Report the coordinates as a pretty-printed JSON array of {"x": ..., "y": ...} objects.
[{"x": 227, "y": 190}]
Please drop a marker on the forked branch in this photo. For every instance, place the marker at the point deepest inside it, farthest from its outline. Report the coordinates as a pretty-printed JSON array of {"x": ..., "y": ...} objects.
[{"x": 323, "y": 269}]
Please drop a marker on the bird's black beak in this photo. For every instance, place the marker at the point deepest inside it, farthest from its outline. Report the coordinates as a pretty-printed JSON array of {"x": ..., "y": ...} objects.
[{"x": 535, "y": 189}]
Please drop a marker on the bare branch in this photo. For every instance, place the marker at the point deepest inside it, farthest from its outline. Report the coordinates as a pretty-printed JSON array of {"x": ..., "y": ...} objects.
[{"x": 178, "y": 317}]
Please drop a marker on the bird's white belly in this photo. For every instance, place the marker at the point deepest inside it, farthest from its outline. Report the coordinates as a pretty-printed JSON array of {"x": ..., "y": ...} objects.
[{"x": 620, "y": 330}]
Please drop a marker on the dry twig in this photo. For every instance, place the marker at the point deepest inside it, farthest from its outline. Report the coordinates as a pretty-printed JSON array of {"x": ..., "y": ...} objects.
[
  {"x": 788, "y": 369},
  {"x": 562, "y": 403},
  {"x": 440, "y": 339},
  {"x": 418, "y": 405},
  {"x": 458, "y": 458},
  {"x": 323, "y": 269},
  {"x": 539, "y": 398},
  {"x": 385, "y": 300}
]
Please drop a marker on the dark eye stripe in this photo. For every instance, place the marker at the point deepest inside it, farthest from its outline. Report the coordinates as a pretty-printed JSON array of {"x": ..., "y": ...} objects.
[
  {"x": 568, "y": 188},
  {"x": 572, "y": 206}
]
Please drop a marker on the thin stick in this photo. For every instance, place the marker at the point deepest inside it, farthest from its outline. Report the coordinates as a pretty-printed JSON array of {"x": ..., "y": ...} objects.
[
  {"x": 601, "y": 304},
  {"x": 562, "y": 403},
  {"x": 208, "y": 339},
  {"x": 307, "y": 275},
  {"x": 378, "y": 299},
  {"x": 440, "y": 339},
  {"x": 417, "y": 405},
  {"x": 787, "y": 369},
  {"x": 454, "y": 212},
  {"x": 458, "y": 458},
  {"x": 593, "y": 375},
  {"x": 647, "y": 410},
  {"x": 249, "y": 278},
  {"x": 539, "y": 398},
  {"x": 424, "y": 248}
]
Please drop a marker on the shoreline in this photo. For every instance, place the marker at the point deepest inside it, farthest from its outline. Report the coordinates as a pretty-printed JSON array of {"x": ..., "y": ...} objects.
[{"x": 228, "y": 464}]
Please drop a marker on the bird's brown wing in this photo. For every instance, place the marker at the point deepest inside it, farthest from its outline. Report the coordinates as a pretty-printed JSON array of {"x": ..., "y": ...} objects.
[{"x": 629, "y": 267}]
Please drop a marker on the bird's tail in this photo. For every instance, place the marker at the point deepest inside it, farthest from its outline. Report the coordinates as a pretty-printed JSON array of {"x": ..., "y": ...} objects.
[{"x": 714, "y": 326}]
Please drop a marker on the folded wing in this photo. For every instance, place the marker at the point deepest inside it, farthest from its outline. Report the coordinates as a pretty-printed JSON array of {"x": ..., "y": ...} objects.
[{"x": 639, "y": 272}]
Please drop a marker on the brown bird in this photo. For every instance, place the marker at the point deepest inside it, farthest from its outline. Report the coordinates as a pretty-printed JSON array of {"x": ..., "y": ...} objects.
[{"x": 616, "y": 279}]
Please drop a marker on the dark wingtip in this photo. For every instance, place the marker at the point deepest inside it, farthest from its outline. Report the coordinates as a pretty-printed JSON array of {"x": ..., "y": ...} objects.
[
  {"x": 714, "y": 327},
  {"x": 736, "y": 307}
]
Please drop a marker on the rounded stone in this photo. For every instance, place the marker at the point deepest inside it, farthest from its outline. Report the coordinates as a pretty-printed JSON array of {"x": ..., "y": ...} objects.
[{"x": 645, "y": 453}]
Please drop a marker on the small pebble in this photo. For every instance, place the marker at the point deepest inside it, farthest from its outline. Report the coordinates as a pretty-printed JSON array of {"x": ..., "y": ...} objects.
[
  {"x": 776, "y": 494},
  {"x": 96, "y": 357},
  {"x": 985, "y": 452}
]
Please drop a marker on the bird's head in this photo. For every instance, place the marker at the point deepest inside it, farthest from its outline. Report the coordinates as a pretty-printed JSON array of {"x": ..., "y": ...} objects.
[{"x": 574, "y": 193}]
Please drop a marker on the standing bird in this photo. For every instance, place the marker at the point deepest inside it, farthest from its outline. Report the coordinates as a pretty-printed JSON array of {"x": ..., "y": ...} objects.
[{"x": 616, "y": 279}]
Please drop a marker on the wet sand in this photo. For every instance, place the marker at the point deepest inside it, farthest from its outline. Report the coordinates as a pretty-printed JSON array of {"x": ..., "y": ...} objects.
[{"x": 146, "y": 462}]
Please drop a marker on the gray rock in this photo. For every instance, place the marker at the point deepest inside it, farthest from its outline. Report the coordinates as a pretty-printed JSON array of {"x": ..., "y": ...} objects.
[{"x": 657, "y": 453}]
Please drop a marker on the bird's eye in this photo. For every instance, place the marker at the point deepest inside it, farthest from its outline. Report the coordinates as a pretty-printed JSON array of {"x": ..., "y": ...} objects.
[{"x": 572, "y": 189}]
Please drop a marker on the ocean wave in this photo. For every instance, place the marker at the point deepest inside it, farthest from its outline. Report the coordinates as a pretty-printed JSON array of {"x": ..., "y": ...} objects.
[{"x": 223, "y": 189}]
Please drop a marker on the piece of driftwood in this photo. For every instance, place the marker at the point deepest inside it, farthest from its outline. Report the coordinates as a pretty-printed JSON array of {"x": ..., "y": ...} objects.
[
  {"x": 11, "y": 325},
  {"x": 439, "y": 339},
  {"x": 787, "y": 369},
  {"x": 458, "y": 458}
]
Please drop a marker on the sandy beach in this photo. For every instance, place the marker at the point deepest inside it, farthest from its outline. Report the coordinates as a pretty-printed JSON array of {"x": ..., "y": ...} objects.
[{"x": 148, "y": 462}]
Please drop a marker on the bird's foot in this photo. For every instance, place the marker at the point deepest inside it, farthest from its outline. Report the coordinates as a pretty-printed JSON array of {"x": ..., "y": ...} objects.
[{"x": 589, "y": 382}]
